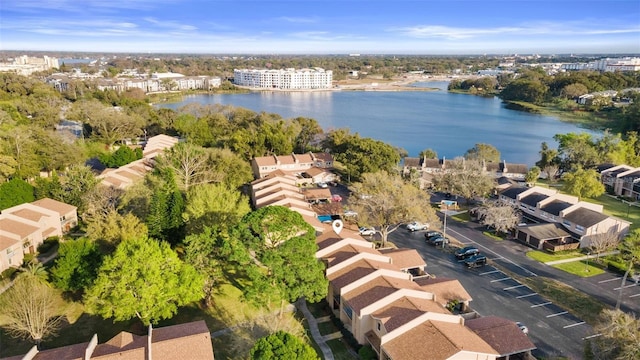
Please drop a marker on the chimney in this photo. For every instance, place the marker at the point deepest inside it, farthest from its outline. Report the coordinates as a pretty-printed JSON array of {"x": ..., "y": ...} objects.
[
  {"x": 443, "y": 160},
  {"x": 90, "y": 347},
  {"x": 295, "y": 158},
  {"x": 31, "y": 354},
  {"x": 504, "y": 166},
  {"x": 276, "y": 159},
  {"x": 149, "y": 342}
]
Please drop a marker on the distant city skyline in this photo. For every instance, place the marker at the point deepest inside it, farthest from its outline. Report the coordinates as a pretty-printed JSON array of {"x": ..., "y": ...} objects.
[{"x": 453, "y": 27}]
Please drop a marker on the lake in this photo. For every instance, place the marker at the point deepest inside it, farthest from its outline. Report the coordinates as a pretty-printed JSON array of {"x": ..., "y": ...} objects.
[{"x": 448, "y": 123}]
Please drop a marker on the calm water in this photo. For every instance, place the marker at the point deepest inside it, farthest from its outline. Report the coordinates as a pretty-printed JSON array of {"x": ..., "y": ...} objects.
[{"x": 414, "y": 120}]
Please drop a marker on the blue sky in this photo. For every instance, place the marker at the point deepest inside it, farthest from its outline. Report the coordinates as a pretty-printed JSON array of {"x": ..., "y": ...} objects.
[{"x": 322, "y": 27}]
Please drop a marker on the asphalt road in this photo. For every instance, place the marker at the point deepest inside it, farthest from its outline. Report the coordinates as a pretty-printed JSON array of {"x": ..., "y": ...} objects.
[{"x": 554, "y": 331}]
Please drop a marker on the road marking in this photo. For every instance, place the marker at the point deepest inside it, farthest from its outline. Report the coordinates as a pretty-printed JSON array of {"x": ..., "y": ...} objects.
[
  {"x": 572, "y": 325},
  {"x": 493, "y": 252},
  {"x": 558, "y": 314},
  {"x": 514, "y": 287},
  {"x": 498, "y": 258},
  {"x": 503, "y": 279},
  {"x": 591, "y": 336},
  {"x": 634, "y": 295},
  {"x": 543, "y": 304},
  {"x": 489, "y": 272},
  {"x": 524, "y": 296},
  {"x": 624, "y": 287},
  {"x": 604, "y": 281}
]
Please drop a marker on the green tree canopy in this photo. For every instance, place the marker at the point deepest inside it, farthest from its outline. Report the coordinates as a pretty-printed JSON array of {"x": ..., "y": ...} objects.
[
  {"x": 77, "y": 265},
  {"x": 429, "y": 154},
  {"x": 214, "y": 205},
  {"x": 285, "y": 267},
  {"x": 465, "y": 178},
  {"x": 282, "y": 346},
  {"x": 143, "y": 278},
  {"x": 15, "y": 192},
  {"x": 486, "y": 152},
  {"x": 583, "y": 183}
]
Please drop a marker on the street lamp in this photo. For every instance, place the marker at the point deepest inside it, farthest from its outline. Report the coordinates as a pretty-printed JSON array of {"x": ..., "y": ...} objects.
[{"x": 586, "y": 266}]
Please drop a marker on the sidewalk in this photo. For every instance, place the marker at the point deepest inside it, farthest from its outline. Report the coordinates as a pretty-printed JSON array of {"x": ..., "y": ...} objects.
[
  {"x": 580, "y": 258},
  {"x": 301, "y": 304}
]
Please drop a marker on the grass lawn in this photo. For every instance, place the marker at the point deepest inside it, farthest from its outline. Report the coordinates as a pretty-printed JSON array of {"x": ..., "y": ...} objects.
[
  {"x": 462, "y": 217},
  {"x": 492, "y": 235},
  {"x": 568, "y": 298},
  {"x": 340, "y": 350},
  {"x": 327, "y": 327},
  {"x": 580, "y": 268},
  {"x": 543, "y": 256}
]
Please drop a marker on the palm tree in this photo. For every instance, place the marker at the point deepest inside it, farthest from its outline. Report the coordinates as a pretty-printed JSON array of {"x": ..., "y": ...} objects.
[{"x": 630, "y": 252}]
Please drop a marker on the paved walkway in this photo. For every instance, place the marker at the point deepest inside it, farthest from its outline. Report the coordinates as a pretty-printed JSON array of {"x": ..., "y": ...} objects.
[
  {"x": 301, "y": 304},
  {"x": 580, "y": 258}
]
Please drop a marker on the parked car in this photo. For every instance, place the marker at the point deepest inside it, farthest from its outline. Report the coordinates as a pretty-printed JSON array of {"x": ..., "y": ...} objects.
[
  {"x": 350, "y": 213},
  {"x": 466, "y": 252},
  {"x": 523, "y": 327},
  {"x": 336, "y": 198},
  {"x": 366, "y": 231},
  {"x": 322, "y": 185},
  {"x": 417, "y": 226},
  {"x": 437, "y": 240},
  {"x": 476, "y": 261},
  {"x": 432, "y": 233}
]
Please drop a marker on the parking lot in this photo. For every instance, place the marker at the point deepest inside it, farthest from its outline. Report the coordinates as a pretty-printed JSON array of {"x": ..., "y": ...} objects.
[{"x": 555, "y": 331}]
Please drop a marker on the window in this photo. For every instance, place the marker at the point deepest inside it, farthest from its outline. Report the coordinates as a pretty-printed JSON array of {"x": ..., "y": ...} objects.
[
  {"x": 348, "y": 311},
  {"x": 566, "y": 222},
  {"x": 580, "y": 228},
  {"x": 379, "y": 325}
]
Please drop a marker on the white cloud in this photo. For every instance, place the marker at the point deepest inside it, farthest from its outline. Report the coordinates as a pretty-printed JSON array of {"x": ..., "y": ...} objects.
[{"x": 299, "y": 20}]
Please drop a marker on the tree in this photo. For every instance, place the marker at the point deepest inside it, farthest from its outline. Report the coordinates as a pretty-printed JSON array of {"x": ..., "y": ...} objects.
[
  {"x": 630, "y": 252},
  {"x": 577, "y": 150},
  {"x": 123, "y": 156},
  {"x": 483, "y": 152},
  {"x": 583, "y": 183},
  {"x": 620, "y": 333},
  {"x": 77, "y": 182},
  {"x": 143, "y": 278},
  {"x": 189, "y": 164},
  {"x": 465, "y": 178},
  {"x": 498, "y": 215},
  {"x": 214, "y": 205},
  {"x": 532, "y": 175},
  {"x": 602, "y": 242},
  {"x": 385, "y": 201},
  {"x": 113, "y": 228},
  {"x": 549, "y": 161},
  {"x": 77, "y": 265},
  {"x": 429, "y": 154},
  {"x": 29, "y": 309},
  {"x": 285, "y": 264},
  {"x": 108, "y": 124},
  {"x": 573, "y": 91},
  {"x": 213, "y": 252},
  {"x": 229, "y": 168},
  {"x": 15, "y": 192},
  {"x": 8, "y": 167},
  {"x": 309, "y": 129},
  {"x": 282, "y": 346}
]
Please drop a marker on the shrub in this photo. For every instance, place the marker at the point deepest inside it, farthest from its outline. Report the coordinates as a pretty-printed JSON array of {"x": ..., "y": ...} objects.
[
  {"x": 48, "y": 244},
  {"x": 8, "y": 274},
  {"x": 15, "y": 192},
  {"x": 123, "y": 156},
  {"x": 616, "y": 266}
]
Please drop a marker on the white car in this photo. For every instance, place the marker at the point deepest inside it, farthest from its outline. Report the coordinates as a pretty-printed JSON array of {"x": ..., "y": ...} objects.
[
  {"x": 350, "y": 213},
  {"x": 322, "y": 185},
  {"x": 367, "y": 231},
  {"x": 523, "y": 327},
  {"x": 416, "y": 226}
]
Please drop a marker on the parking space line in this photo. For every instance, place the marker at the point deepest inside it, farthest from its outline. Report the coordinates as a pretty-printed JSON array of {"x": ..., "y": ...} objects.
[
  {"x": 572, "y": 325},
  {"x": 514, "y": 287},
  {"x": 503, "y": 279},
  {"x": 489, "y": 272},
  {"x": 614, "y": 279},
  {"x": 634, "y": 295},
  {"x": 591, "y": 336},
  {"x": 558, "y": 314},
  {"x": 543, "y": 304},
  {"x": 498, "y": 258},
  {"x": 624, "y": 287},
  {"x": 493, "y": 252},
  {"x": 524, "y": 296}
]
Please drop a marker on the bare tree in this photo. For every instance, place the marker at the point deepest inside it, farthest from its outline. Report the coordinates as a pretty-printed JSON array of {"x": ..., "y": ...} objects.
[
  {"x": 466, "y": 178},
  {"x": 602, "y": 242},
  {"x": 498, "y": 215},
  {"x": 29, "y": 309},
  {"x": 190, "y": 165},
  {"x": 620, "y": 336}
]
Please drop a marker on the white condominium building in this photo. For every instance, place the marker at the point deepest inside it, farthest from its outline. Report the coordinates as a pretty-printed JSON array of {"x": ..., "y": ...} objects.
[{"x": 288, "y": 79}]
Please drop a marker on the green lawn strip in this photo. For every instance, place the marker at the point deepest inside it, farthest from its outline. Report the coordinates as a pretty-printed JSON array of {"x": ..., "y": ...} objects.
[
  {"x": 327, "y": 327},
  {"x": 544, "y": 257},
  {"x": 492, "y": 235},
  {"x": 574, "y": 301},
  {"x": 580, "y": 268},
  {"x": 340, "y": 350},
  {"x": 462, "y": 217},
  {"x": 615, "y": 207}
]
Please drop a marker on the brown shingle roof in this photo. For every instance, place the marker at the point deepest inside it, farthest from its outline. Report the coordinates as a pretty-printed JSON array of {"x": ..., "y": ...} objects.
[
  {"x": 376, "y": 289},
  {"x": 444, "y": 289},
  {"x": 438, "y": 339},
  {"x": 502, "y": 334},
  {"x": 58, "y": 206},
  {"x": 16, "y": 227},
  {"x": 6, "y": 242},
  {"x": 355, "y": 271},
  {"x": 29, "y": 214},
  {"x": 346, "y": 252},
  {"x": 406, "y": 309},
  {"x": 404, "y": 258}
]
